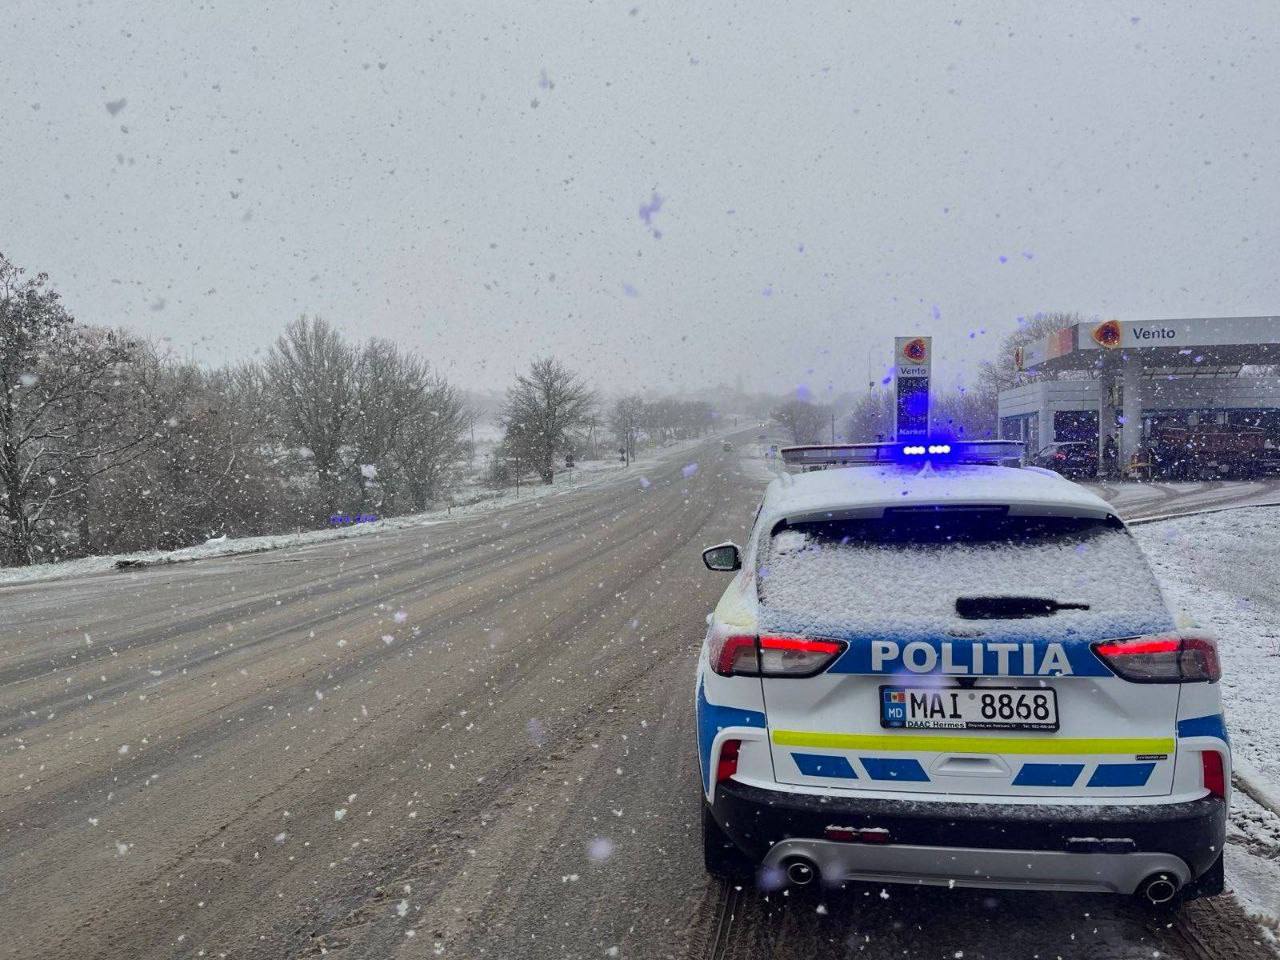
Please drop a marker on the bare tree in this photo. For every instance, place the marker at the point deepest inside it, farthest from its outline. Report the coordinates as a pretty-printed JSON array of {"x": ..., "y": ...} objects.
[
  {"x": 64, "y": 390},
  {"x": 625, "y": 419},
  {"x": 389, "y": 388},
  {"x": 541, "y": 409},
  {"x": 212, "y": 469},
  {"x": 313, "y": 372},
  {"x": 964, "y": 415},
  {"x": 430, "y": 447},
  {"x": 871, "y": 418},
  {"x": 591, "y": 424},
  {"x": 108, "y": 444},
  {"x": 1002, "y": 372},
  {"x": 803, "y": 421},
  {"x": 960, "y": 414}
]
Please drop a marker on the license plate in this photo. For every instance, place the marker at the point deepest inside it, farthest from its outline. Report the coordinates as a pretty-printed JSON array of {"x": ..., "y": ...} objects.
[{"x": 957, "y": 708}]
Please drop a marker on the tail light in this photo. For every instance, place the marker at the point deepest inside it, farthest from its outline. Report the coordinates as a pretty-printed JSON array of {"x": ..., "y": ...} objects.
[
  {"x": 1175, "y": 658},
  {"x": 728, "y": 764},
  {"x": 774, "y": 656},
  {"x": 1215, "y": 780},
  {"x": 737, "y": 655}
]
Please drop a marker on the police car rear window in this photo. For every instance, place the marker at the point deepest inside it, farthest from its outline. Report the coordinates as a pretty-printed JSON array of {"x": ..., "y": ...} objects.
[{"x": 906, "y": 571}]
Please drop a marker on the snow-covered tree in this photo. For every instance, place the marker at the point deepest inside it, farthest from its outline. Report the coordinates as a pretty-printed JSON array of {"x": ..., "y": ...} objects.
[
  {"x": 541, "y": 409},
  {"x": 70, "y": 403},
  {"x": 313, "y": 373},
  {"x": 431, "y": 443},
  {"x": 803, "y": 421}
]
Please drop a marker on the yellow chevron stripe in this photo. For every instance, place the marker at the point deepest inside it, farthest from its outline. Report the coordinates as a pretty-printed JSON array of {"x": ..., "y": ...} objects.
[{"x": 931, "y": 743}]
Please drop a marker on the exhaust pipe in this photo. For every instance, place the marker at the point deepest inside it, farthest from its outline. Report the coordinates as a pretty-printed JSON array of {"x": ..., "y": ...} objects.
[
  {"x": 1158, "y": 889},
  {"x": 800, "y": 871}
]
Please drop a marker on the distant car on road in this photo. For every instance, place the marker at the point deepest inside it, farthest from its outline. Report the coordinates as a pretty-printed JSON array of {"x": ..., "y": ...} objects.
[
  {"x": 726, "y": 446},
  {"x": 1075, "y": 459},
  {"x": 964, "y": 675}
]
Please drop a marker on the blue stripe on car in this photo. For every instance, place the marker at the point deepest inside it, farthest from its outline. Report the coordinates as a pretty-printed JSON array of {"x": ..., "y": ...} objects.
[
  {"x": 857, "y": 658},
  {"x": 1048, "y": 774},
  {"x": 1121, "y": 775},
  {"x": 712, "y": 718},
  {"x": 821, "y": 765},
  {"x": 1214, "y": 725},
  {"x": 879, "y": 768}
]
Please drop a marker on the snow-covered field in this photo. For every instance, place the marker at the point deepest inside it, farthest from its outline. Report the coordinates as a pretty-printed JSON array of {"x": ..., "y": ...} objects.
[
  {"x": 585, "y": 474},
  {"x": 1222, "y": 570}
]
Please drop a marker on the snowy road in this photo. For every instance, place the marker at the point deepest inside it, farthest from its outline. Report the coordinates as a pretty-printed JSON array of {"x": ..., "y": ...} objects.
[{"x": 468, "y": 740}]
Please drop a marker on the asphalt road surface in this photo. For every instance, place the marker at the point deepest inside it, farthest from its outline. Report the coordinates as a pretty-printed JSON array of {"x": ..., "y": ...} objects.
[{"x": 468, "y": 740}]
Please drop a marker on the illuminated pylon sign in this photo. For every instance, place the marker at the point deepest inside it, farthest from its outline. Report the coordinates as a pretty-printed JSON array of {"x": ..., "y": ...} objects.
[{"x": 912, "y": 359}]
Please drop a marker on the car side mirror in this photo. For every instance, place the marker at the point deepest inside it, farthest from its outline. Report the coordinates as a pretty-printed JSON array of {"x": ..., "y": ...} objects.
[{"x": 723, "y": 556}]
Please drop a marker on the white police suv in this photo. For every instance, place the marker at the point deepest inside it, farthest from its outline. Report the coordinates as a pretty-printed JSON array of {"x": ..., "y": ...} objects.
[{"x": 932, "y": 668}]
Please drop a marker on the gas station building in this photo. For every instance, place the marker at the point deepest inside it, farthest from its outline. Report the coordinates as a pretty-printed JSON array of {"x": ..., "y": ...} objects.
[{"x": 1122, "y": 378}]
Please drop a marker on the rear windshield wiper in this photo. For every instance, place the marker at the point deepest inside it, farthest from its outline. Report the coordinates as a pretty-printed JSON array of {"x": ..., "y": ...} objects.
[{"x": 1011, "y": 608}]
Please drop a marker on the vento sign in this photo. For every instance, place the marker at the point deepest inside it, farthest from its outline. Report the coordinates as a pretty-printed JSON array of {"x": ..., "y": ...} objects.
[
  {"x": 912, "y": 361},
  {"x": 1137, "y": 334}
]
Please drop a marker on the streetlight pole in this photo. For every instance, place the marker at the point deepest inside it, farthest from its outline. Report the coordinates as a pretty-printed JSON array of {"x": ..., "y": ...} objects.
[{"x": 517, "y": 433}]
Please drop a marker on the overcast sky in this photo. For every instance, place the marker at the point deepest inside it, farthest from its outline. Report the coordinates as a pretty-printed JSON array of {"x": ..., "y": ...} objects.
[{"x": 661, "y": 193}]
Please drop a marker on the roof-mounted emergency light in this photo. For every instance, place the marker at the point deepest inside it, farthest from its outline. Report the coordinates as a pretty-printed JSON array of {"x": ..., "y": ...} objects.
[{"x": 952, "y": 451}]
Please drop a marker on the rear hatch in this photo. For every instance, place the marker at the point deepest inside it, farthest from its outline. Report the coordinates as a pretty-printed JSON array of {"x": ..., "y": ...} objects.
[{"x": 968, "y": 664}]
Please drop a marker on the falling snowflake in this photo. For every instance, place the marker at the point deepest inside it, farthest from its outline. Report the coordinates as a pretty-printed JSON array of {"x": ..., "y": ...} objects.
[
  {"x": 647, "y": 210},
  {"x": 601, "y": 849}
]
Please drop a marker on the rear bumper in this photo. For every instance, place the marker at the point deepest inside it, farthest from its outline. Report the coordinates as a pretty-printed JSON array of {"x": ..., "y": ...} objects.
[{"x": 1108, "y": 848}]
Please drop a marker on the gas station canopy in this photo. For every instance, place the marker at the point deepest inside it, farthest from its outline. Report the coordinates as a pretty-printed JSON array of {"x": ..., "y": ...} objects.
[
  {"x": 1135, "y": 374},
  {"x": 1163, "y": 346}
]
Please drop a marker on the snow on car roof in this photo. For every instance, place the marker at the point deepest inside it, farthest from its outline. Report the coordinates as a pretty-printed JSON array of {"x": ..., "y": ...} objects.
[{"x": 868, "y": 490}]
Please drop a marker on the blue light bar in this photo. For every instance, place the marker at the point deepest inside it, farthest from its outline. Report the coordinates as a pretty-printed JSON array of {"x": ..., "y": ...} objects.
[{"x": 950, "y": 451}]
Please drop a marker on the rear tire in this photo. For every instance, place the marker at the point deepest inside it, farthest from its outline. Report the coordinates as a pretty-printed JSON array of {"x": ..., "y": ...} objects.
[
  {"x": 1211, "y": 883},
  {"x": 721, "y": 855}
]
